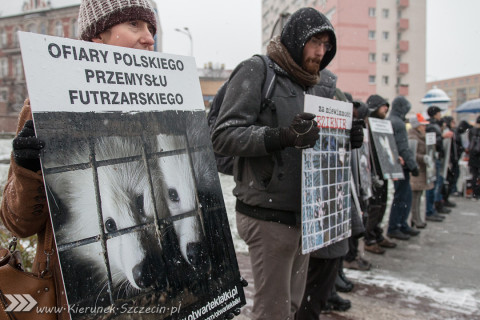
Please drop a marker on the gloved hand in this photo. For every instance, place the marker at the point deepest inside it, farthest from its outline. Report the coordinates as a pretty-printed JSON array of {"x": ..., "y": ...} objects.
[
  {"x": 426, "y": 159},
  {"x": 27, "y": 147},
  {"x": 302, "y": 132},
  {"x": 415, "y": 172},
  {"x": 356, "y": 133}
]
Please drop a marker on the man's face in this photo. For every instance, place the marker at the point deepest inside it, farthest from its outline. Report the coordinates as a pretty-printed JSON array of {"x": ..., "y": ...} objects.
[
  {"x": 136, "y": 34},
  {"x": 437, "y": 116},
  {"x": 314, "y": 51},
  {"x": 382, "y": 112}
]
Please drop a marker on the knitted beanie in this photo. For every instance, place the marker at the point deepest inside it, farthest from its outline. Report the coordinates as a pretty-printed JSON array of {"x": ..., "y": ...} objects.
[
  {"x": 96, "y": 16},
  {"x": 300, "y": 27}
]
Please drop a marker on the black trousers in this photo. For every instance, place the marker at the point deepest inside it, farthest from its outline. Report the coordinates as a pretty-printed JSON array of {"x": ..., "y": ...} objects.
[
  {"x": 376, "y": 210},
  {"x": 320, "y": 281}
]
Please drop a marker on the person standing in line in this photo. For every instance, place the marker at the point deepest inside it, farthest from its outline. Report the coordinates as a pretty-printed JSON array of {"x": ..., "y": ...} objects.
[
  {"x": 375, "y": 242},
  {"x": 419, "y": 183},
  {"x": 433, "y": 197},
  {"x": 24, "y": 209},
  {"x": 474, "y": 158},
  {"x": 268, "y": 157},
  {"x": 398, "y": 227}
]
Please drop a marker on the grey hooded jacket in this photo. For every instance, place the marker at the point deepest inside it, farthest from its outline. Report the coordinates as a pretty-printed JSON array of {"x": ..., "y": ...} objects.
[
  {"x": 273, "y": 189},
  {"x": 400, "y": 107}
]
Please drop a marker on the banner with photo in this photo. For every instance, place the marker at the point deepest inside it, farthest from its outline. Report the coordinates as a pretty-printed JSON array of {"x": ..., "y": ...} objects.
[
  {"x": 447, "y": 146},
  {"x": 386, "y": 147},
  {"x": 361, "y": 168},
  {"x": 326, "y": 189},
  {"x": 430, "y": 141},
  {"x": 133, "y": 190}
]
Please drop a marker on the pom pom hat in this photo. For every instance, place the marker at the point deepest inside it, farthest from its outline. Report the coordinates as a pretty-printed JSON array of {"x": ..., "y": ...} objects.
[
  {"x": 417, "y": 120},
  {"x": 96, "y": 16}
]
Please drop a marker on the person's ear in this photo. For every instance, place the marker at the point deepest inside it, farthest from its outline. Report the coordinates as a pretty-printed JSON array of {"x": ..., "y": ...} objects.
[{"x": 98, "y": 39}]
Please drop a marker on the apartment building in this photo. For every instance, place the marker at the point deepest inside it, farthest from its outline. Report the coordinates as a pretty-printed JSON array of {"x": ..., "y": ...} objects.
[{"x": 381, "y": 44}]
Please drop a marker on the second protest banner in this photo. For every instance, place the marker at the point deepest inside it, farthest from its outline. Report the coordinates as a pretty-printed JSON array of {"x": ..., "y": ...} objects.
[{"x": 326, "y": 193}]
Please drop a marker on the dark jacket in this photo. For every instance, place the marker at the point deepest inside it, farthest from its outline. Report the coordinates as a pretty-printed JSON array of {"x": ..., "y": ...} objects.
[
  {"x": 434, "y": 126},
  {"x": 473, "y": 156},
  {"x": 400, "y": 108},
  {"x": 264, "y": 189}
]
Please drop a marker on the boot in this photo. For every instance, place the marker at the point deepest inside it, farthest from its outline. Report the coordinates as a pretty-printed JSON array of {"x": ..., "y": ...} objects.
[
  {"x": 338, "y": 303},
  {"x": 342, "y": 284},
  {"x": 441, "y": 208}
]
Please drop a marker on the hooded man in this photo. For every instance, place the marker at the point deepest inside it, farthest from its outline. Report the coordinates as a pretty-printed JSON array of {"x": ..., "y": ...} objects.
[
  {"x": 398, "y": 227},
  {"x": 375, "y": 242},
  {"x": 266, "y": 145}
]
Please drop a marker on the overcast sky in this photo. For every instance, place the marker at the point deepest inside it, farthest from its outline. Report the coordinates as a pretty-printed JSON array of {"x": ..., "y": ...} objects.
[{"x": 229, "y": 31}]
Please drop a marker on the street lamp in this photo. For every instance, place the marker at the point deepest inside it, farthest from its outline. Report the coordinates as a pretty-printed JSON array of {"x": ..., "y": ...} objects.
[{"x": 186, "y": 31}]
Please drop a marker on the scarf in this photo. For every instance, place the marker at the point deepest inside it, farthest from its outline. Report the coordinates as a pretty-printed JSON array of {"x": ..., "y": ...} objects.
[{"x": 279, "y": 53}]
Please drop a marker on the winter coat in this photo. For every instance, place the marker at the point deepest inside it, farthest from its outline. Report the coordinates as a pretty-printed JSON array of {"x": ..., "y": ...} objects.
[
  {"x": 400, "y": 108},
  {"x": 24, "y": 211},
  {"x": 264, "y": 188},
  {"x": 434, "y": 126},
  {"x": 474, "y": 157},
  {"x": 419, "y": 183}
]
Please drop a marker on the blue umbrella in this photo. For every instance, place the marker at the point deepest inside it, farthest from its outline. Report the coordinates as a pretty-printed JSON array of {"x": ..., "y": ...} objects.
[{"x": 472, "y": 106}]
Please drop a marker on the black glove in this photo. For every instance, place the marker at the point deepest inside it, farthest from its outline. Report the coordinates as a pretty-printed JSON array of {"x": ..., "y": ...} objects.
[
  {"x": 302, "y": 132},
  {"x": 27, "y": 147},
  {"x": 356, "y": 134},
  {"x": 415, "y": 172}
]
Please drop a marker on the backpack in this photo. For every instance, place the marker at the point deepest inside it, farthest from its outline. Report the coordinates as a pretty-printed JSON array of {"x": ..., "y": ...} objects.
[{"x": 225, "y": 163}]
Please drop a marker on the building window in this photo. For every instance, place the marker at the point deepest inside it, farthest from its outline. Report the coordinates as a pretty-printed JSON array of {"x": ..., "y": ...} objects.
[
  {"x": 3, "y": 95},
  {"x": 58, "y": 29},
  {"x": 32, "y": 28},
  {"x": 385, "y": 13},
  {"x": 74, "y": 29},
  {"x": 472, "y": 90},
  {"x": 371, "y": 12},
  {"x": 371, "y": 57},
  {"x": 371, "y": 34},
  {"x": 17, "y": 67},
  {"x": 3, "y": 38},
  {"x": 385, "y": 80},
  {"x": 3, "y": 67},
  {"x": 385, "y": 57},
  {"x": 43, "y": 28},
  {"x": 385, "y": 35},
  {"x": 371, "y": 79},
  {"x": 15, "y": 36}
]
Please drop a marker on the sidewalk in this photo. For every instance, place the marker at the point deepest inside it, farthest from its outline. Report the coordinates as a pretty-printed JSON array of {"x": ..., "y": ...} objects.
[{"x": 432, "y": 276}]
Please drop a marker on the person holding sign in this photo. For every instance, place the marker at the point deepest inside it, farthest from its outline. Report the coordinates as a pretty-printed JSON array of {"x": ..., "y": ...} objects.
[
  {"x": 434, "y": 196},
  {"x": 375, "y": 242},
  {"x": 419, "y": 183},
  {"x": 267, "y": 143},
  {"x": 398, "y": 227},
  {"x": 24, "y": 209}
]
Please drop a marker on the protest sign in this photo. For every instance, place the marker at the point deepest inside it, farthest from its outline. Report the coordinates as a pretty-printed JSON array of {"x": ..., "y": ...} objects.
[
  {"x": 445, "y": 161},
  {"x": 386, "y": 147},
  {"x": 361, "y": 168},
  {"x": 430, "y": 140},
  {"x": 326, "y": 190},
  {"x": 135, "y": 199}
]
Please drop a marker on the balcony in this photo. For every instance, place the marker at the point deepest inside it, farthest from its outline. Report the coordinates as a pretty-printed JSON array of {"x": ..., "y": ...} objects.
[
  {"x": 402, "y": 68},
  {"x": 402, "y": 45},
  {"x": 403, "y": 24},
  {"x": 403, "y": 4},
  {"x": 403, "y": 90}
]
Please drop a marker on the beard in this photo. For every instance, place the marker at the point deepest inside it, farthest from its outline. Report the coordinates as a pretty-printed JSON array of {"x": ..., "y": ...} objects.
[{"x": 312, "y": 66}]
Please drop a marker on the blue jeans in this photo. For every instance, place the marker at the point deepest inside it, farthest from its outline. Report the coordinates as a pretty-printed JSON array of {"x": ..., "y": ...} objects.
[
  {"x": 435, "y": 194},
  {"x": 401, "y": 204}
]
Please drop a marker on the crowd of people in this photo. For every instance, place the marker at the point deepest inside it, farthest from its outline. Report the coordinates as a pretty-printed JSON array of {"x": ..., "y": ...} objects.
[{"x": 267, "y": 145}]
